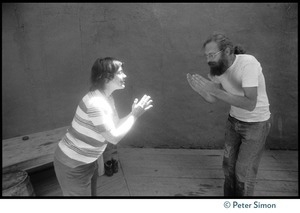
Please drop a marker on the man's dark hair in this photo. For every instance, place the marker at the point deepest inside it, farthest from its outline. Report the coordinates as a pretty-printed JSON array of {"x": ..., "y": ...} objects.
[
  {"x": 223, "y": 43},
  {"x": 103, "y": 70}
]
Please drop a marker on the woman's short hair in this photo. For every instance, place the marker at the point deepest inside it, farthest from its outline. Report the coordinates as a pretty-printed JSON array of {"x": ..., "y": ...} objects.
[
  {"x": 223, "y": 43},
  {"x": 103, "y": 70}
]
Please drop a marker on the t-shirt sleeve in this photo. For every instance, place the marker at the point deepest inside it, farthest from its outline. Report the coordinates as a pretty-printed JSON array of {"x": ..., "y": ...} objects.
[
  {"x": 250, "y": 75},
  {"x": 100, "y": 114}
]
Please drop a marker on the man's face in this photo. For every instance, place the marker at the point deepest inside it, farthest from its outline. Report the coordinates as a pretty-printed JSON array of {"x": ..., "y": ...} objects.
[{"x": 216, "y": 59}]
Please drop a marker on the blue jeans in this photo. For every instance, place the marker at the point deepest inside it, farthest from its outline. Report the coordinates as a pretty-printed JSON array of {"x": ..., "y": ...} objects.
[
  {"x": 79, "y": 181},
  {"x": 244, "y": 146}
]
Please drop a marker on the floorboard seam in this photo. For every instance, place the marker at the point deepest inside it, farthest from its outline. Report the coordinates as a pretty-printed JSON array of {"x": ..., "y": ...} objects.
[{"x": 124, "y": 178}]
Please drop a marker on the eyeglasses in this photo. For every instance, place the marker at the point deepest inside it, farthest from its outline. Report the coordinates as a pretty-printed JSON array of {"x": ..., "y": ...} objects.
[{"x": 212, "y": 55}]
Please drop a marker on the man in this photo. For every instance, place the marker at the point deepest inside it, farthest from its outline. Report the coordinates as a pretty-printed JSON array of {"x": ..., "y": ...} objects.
[{"x": 237, "y": 79}]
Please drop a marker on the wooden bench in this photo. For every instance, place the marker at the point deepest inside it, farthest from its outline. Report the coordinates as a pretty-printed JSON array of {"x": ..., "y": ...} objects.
[{"x": 32, "y": 154}]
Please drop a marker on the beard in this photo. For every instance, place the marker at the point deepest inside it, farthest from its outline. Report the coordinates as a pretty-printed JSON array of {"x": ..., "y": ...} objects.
[{"x": 219, "y": 67}]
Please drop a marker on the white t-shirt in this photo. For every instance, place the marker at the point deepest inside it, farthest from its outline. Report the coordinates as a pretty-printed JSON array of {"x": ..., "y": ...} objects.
[{"x": 246, "y": 71}]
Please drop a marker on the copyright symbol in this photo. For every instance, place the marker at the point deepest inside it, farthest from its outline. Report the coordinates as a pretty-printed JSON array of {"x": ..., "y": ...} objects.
[{"x": 227, "y": 204}]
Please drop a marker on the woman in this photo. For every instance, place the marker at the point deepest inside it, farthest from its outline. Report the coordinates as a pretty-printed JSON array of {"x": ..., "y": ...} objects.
[{"x": 95, "y": 124}]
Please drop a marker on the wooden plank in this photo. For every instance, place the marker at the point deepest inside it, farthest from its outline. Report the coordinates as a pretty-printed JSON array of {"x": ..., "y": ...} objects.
[
  {"x": 280, "y": 186},
  {"x": 282, "y": 154},
  {"x": 171, "y": 172},
  {"x": 41, "y": 162},
  {"x": 114, "y": 185},
  {"x": 279, "y": 160},
  {"x": 158, "y": 164},
  {"x": 32, "y": 152},
  {"x": 275, "y": 194},
  {"x": 194, "y": 172},
  {"x": 164, "y": 163},
  {"x": 277, "y": 175},
  {"x": 194, "y": 159},
  {"x": 276, "y": 154},
  {"x": 150, "y": 151},
  {"x": 158, "y": 186},
  {"x": 167, "y": 158}
]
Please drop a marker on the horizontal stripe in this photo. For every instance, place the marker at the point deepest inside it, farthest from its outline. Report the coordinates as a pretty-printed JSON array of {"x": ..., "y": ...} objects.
[
  {"x": 82, "y": 106},
  {"x": 95, "y": 112},
  {"x": 66, "y": 160},
  {"x": 82, "y": 114},
  {"x": 82, "y": 144},
  {"x": 100, "y": 120},
  {"x": 98, "y": 129},
  {"x": 85, "y": 138},
  {"x": 82, "y": 151},
  {"x": 85, "y": 131},
  {"x": 86, "y": 123},
  {"x": 74, "y": 155}
]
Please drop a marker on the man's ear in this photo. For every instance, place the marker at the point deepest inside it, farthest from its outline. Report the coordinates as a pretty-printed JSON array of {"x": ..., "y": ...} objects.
[{"x": 227, "y": 51}]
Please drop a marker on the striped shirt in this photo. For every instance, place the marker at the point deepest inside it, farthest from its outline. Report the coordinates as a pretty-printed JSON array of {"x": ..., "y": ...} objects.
[{"x": 83, "y": 143}]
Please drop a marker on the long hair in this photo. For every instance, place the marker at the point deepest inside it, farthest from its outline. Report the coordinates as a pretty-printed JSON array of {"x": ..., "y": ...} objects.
[
  {"x": 103, "y": 70},
  {"x": 223, "y": 43}
]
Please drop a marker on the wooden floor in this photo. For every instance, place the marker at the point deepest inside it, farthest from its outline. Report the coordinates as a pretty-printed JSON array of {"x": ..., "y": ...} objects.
[{"x": 181, "y": 172}]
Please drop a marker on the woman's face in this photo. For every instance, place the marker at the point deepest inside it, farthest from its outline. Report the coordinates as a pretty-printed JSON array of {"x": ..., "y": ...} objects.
[{"x": 119, "y": 80}]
